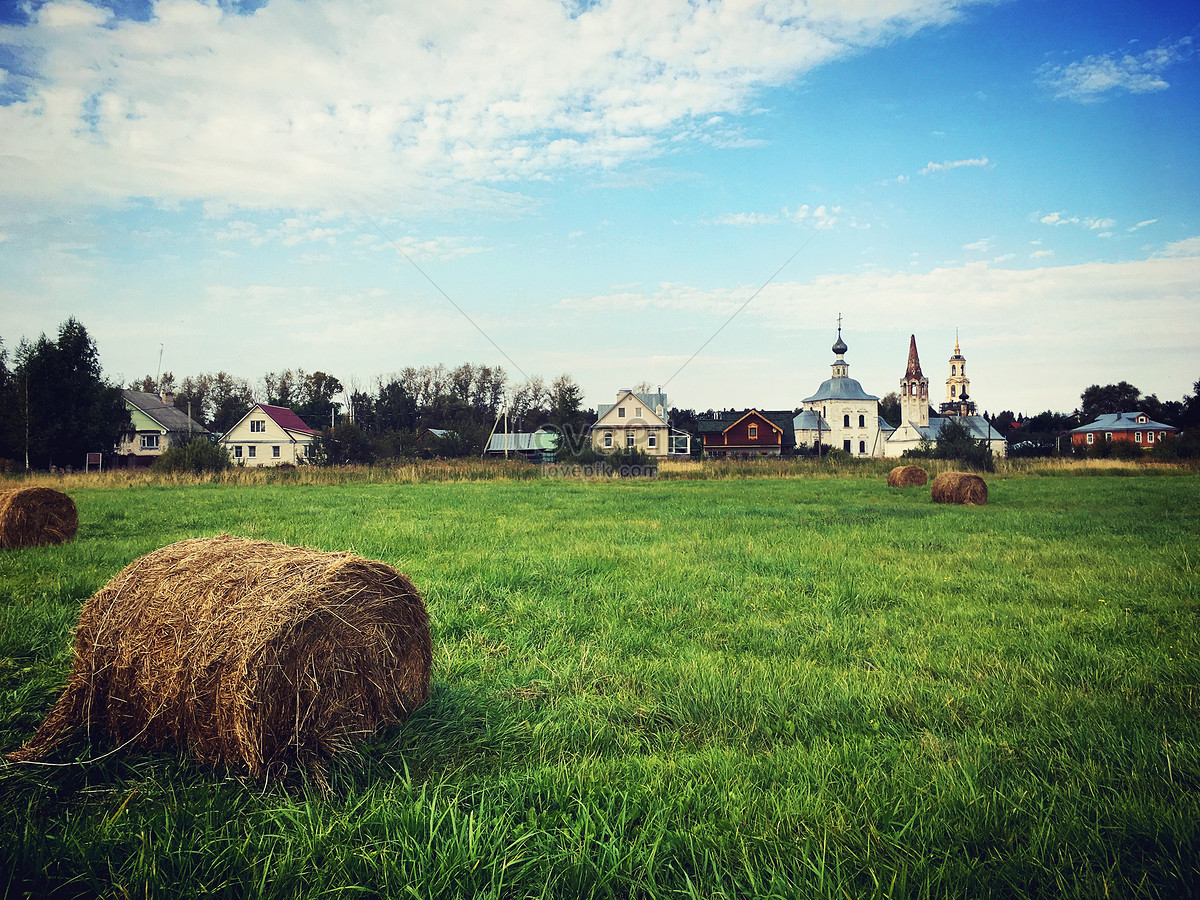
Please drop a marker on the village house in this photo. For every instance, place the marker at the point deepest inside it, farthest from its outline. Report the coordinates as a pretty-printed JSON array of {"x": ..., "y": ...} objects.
[
  {"x": 157, "y": 426},
  {"x": 638, "y": 422},
  {"x": 268, "y": 436},
  {"x": 746, "y": 434},
  {"x": 1133, "y": 427}
]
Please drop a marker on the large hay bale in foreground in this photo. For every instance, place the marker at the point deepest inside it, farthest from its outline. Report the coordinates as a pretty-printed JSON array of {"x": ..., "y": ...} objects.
[
  {"x": 251, "y": 653},
  {"x": 32, "y": 517},
  {"x": 907, "y": 476},
  {"x": 959, "y": 487}
]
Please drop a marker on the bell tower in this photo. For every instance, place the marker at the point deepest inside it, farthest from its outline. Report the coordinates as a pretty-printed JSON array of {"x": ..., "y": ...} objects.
[
  {"x": 914, "y": 390},
  {"x": 958, "y": 402}
]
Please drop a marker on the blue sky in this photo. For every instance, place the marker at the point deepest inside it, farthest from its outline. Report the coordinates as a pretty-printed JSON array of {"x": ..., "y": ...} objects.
[{"x": 355, "y": 186}]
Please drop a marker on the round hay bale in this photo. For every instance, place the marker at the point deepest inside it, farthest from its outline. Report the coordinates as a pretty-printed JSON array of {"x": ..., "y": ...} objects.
[
  {"x": 253, "y": 654},
  {"x": 33, "y": 517},
  {"x": 959, "y": 487},
  {"x": 907, "y": 476}
]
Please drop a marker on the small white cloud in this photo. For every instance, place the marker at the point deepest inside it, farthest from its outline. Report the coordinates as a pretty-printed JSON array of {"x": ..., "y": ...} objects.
[
  {"x": 983, "y": 245},
  {"x": 945, "y": 166},
  {"x": 1095, "y": 77},
  {"x": 1041, "y": 254},
  {"x": 1141, "y": 225},
  {"x": 1187, "y": 248},
  {"x": 744, "y": 219}
]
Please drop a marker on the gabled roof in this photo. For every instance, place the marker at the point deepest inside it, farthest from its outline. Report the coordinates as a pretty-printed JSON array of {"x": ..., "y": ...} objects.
[
  {"x": 166, "y": 415},
  {"x": 979, "y": 428},
  {"x": 780, "y": 419},
  {"x": 1123, "y": 421},
  {"x": 285, "y": 418},
  {"x": 650, "y": 404}
]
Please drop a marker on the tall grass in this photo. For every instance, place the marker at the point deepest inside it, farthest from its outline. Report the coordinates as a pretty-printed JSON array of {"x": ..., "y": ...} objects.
[{"x": 732, "y": 687}]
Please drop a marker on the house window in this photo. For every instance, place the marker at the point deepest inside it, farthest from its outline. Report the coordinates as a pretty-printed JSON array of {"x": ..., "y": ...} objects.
[
  {"x": 629, "y": 438},
  {"x": 862, "y": 447},
  {"x": 846, "y": 421},
  {"x": 275, "y": 451},
  {"x": 1149, "y": 437},
  {"x": 862, "y": 421},
  {"x": 608, "y": 440},
  {"x": 1142, "y": 420},
  {"x": 252, "y": 451},
  {"x": 1137, "y": 437},
  {"x": 237, "y": 451},
  {"x": 258, "y": 425},
  {"x": 652, "y": 440},
  {"x": 149, "y": 441},
  {"x": 637, "y": 412},
  {"x": 753, "y": 432},
  {"x": 1108, "y": 435},
  {"x": 620, "y": 412},
  {"x": 1091, "y": 438}
]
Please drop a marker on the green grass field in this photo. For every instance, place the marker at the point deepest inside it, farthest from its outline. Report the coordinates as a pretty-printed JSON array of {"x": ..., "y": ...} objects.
[{"x": 763, "y": 687}]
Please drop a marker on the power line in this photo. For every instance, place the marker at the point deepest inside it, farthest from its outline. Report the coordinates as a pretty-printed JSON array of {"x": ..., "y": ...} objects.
[
  {"x": 738, "y": 311},
  {"x": 462, "y": 312}
]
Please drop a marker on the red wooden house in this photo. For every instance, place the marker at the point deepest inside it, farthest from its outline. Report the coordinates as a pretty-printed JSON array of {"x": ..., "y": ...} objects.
[{"x": 748, "y": 433}]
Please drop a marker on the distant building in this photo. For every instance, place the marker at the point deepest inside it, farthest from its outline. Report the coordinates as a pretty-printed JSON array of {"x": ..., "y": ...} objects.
[
  {"x": 639, "y": 422},
  {"x": 268, "y": 436},
  {"x": 533, "y": 446},
  {"x": 1133, "y": 427},
  {"x": 840, "y": 414},
  {"x": 920, "y": 424},
  {"x": 157, "y": 426},
  {"x": 746, "y": 434}
]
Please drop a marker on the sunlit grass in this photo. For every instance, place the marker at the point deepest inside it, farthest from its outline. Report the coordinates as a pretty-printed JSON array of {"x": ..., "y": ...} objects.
[{"x": 736, "y": 686}]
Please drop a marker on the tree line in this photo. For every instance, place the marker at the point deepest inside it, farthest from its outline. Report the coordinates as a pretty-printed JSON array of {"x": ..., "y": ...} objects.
[{"x": 56, "y": 406}]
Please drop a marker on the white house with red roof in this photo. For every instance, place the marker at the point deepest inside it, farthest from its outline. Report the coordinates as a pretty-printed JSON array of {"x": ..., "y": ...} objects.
[{"x": 268, "y": 436}]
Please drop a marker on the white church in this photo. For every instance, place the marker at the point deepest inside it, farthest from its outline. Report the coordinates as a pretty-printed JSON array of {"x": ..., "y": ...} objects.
[{"x": 841, "y": 414}]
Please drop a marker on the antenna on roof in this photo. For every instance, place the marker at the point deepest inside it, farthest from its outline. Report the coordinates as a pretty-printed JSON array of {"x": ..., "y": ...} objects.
[{"x": 158, "y": 374}]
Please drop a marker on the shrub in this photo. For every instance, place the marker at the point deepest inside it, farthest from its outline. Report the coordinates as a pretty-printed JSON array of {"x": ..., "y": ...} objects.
[{"x": 196, "y": 456}]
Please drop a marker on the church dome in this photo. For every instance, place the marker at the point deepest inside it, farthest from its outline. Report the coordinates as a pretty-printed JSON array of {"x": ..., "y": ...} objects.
[{"x": 840, "y": 347}]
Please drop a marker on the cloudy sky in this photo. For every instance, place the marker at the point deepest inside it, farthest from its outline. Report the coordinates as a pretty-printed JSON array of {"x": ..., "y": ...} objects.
[{"x": 684, "y": 194}]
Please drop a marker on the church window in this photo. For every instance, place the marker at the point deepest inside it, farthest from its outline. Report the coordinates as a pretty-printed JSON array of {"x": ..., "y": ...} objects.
[
  {"x": 846, "y": 446},
  {"x": 846, "y": 421},
  {"x": 953, "y": 391},
  {"x": 862, "y": 421},
  {"x": 862, "y": 447}
]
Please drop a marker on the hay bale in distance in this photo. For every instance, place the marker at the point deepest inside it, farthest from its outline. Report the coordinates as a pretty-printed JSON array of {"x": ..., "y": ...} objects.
[
  {"x": 254, "y": 654},
  {"x": 907, "y": 476},
  {"x": 959, "y": 487},
  {"x": 33, "y": 517}
]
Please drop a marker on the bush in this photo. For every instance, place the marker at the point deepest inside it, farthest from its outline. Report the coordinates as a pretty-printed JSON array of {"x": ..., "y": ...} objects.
[{"x": 196, "y": 456}]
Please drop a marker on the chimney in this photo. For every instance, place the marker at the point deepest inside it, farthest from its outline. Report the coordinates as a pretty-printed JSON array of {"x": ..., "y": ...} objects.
[{"x": 167, "y": 398}]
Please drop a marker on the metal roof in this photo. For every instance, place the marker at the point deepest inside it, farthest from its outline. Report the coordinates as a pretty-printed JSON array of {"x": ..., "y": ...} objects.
[
  {"x": 522, "y": 441},
  {"x": 1122, "y": 421},
  {"x": 286, "y": 418},
  {"x": 840, "y": 388},
  {"x": 169, "y": 417}
]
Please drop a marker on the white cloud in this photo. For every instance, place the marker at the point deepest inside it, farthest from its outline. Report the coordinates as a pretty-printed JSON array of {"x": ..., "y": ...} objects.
[
  {"x": 1091, "y": 223},
  {"x": 1187, "y": 248},
  {"x": 1095, "y": 77},
  {"x": 983, "y": 245},
  {"x": 933, "y": 167},
  {"x": 447, "y": 105},
  {"x": 1141, "y": 225}
]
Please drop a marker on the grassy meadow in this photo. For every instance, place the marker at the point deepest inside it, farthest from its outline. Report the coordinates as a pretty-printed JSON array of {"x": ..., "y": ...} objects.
[{"x": 693, "y": 686}]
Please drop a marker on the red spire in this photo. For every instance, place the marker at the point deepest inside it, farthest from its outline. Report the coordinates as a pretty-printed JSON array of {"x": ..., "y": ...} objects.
[{"x": 914, "y": 363}]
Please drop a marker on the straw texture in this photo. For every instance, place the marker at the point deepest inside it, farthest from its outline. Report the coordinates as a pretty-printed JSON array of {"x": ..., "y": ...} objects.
[
  {"x": 32, "y": 517},
  {"x": 959, "y": 487},
  {"x": 907, "y": 476},
  {"x": 254, "y": 654}
]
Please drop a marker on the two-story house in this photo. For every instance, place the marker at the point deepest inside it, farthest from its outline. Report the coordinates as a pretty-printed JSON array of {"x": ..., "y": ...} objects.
[{"x": 268, "y": 436}]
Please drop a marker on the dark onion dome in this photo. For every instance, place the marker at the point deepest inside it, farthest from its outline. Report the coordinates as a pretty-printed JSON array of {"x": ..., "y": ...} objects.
[{"x": 840, "y": 347}]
